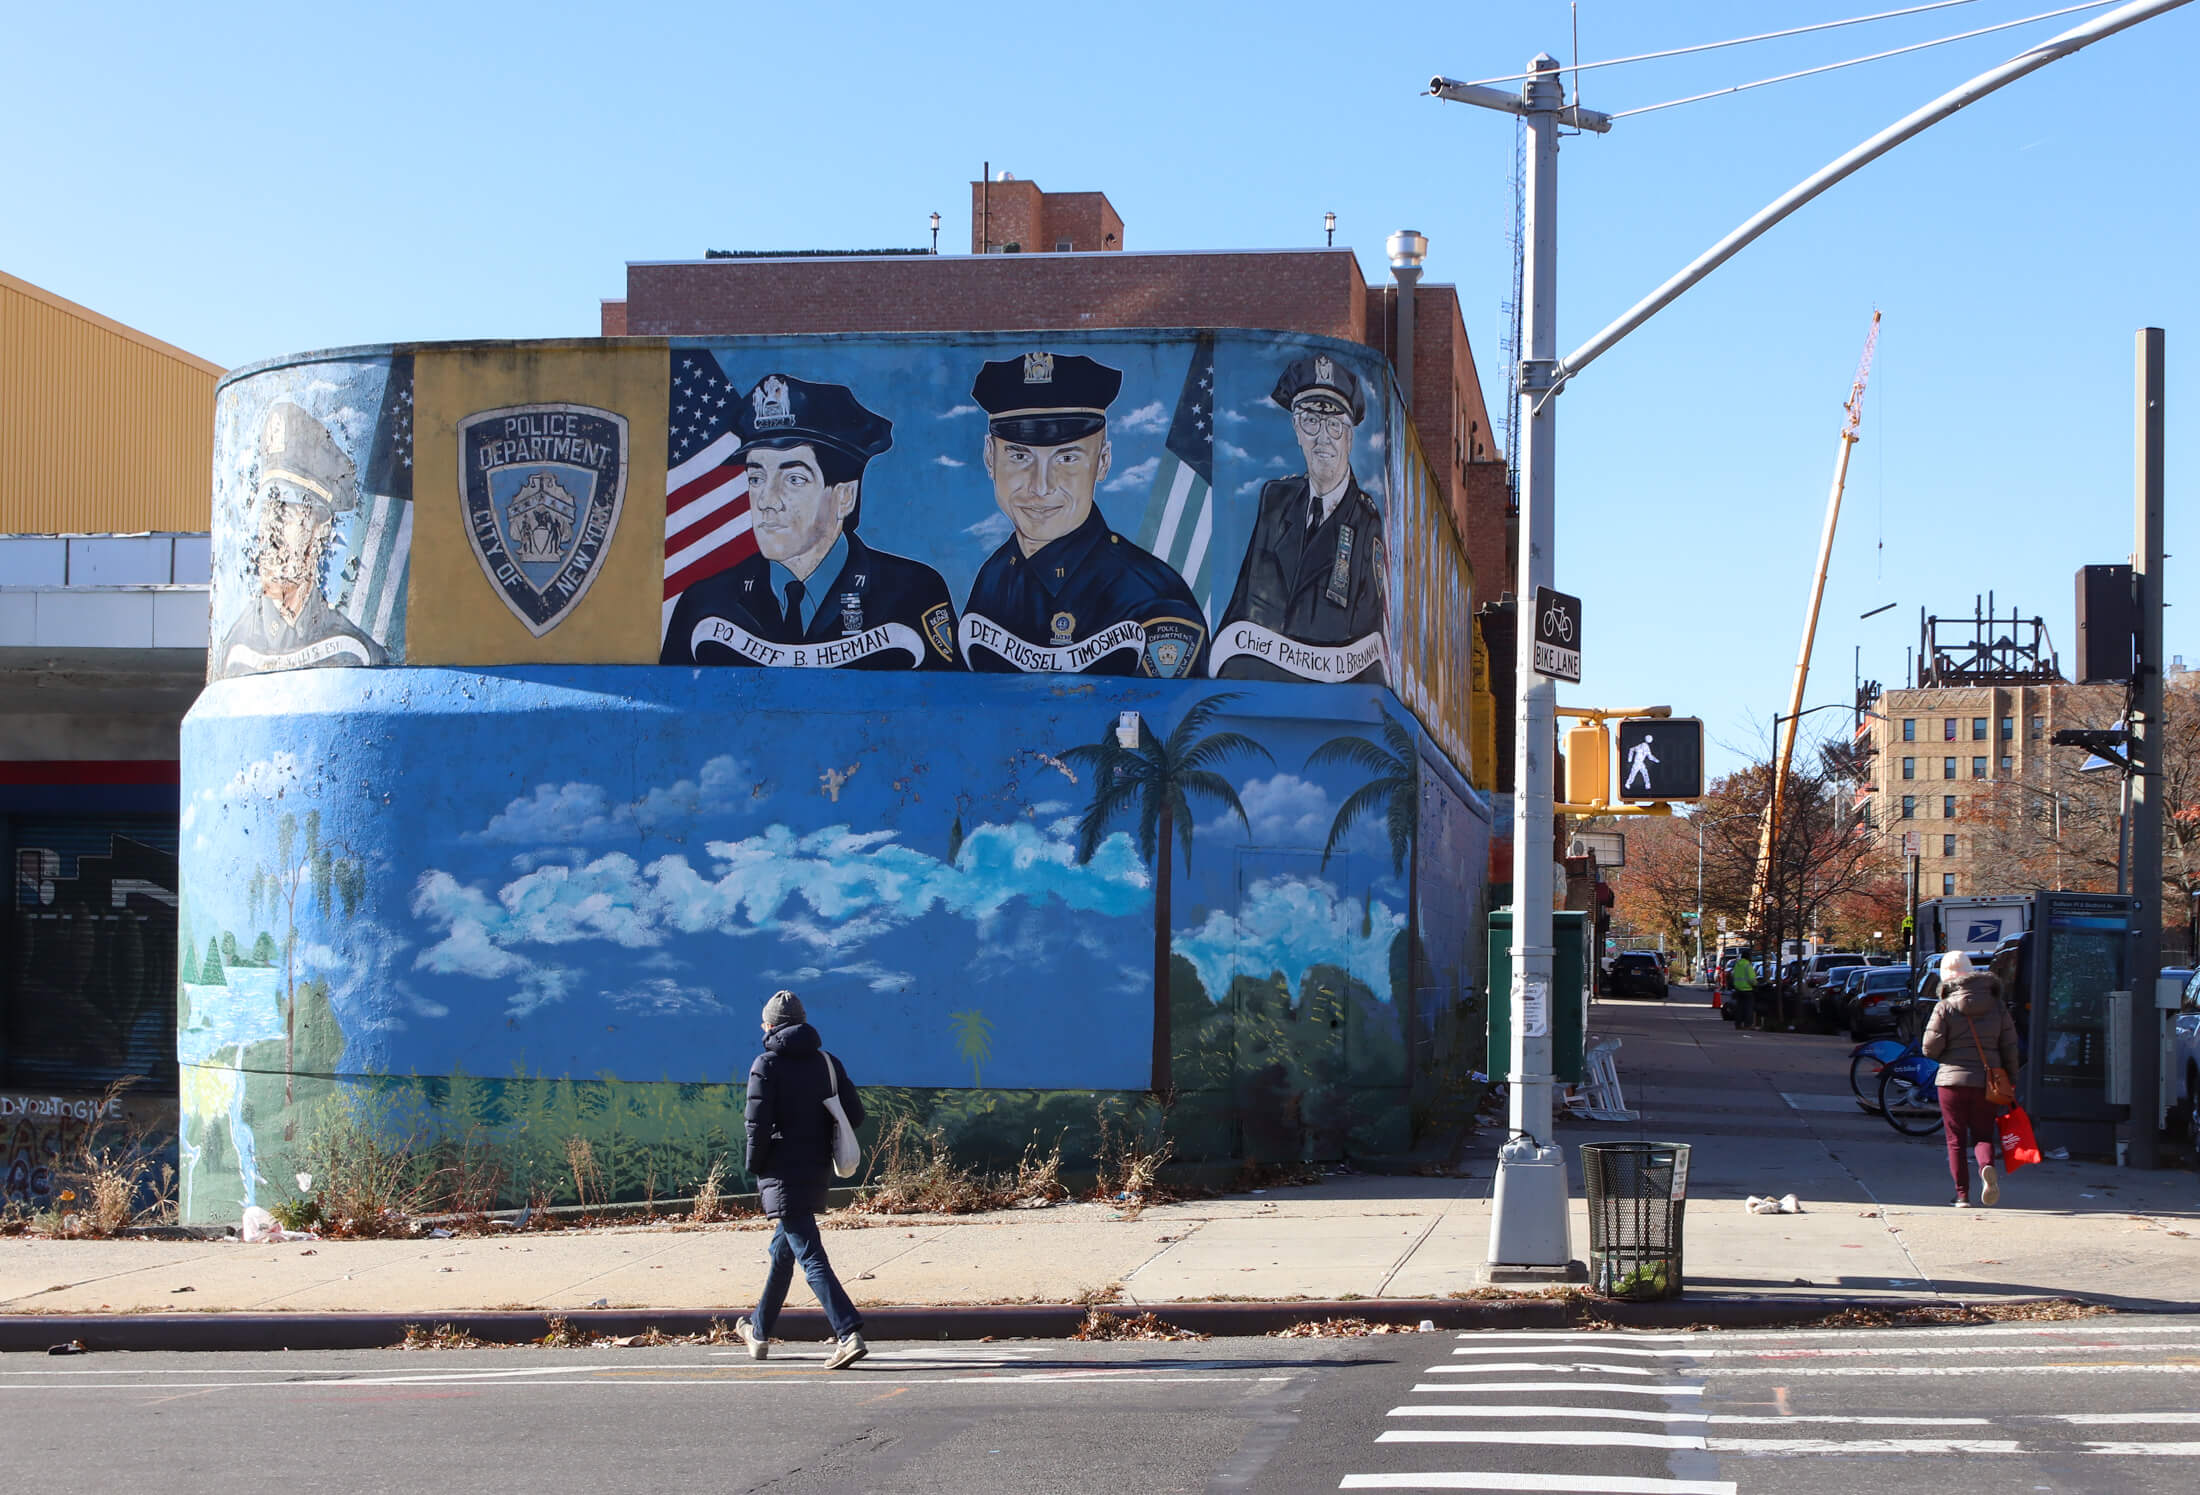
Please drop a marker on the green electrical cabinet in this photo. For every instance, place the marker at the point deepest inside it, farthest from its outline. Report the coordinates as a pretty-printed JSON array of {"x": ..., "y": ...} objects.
[{"x": 1569, "y": 994}]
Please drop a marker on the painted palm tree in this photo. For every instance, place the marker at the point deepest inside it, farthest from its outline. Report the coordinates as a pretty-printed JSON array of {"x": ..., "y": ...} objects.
[
  {"x": 1393, "y": 791},
  {"x": 974, "y": 1037},
  {"x": 1157, "y": 780}
]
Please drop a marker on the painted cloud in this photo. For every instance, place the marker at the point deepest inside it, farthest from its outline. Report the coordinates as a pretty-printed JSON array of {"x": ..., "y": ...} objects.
[{"x": 1290, "y": 925}]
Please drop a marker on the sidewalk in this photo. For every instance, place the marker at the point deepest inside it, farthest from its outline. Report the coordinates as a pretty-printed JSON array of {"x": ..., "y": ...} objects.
[{"x": 1767, "y": 1114}]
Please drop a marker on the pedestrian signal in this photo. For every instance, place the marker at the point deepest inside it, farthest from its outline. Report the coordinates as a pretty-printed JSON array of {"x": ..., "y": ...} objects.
[
  {"x": 1661, "y": 758},
  {"x": 1588, "y": 765}
]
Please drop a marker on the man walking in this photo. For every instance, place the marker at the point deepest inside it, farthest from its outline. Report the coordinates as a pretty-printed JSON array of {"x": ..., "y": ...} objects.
[
  {"x": 1744, "y": 977},
  {"x": 790, "y": 1138}
]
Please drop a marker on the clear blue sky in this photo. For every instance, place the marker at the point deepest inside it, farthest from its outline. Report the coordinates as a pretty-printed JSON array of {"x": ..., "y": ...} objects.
[{"x": 251, "y": 180}]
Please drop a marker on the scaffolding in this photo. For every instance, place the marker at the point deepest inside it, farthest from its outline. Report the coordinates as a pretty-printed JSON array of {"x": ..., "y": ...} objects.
[{"x": 1984, "y": 649}]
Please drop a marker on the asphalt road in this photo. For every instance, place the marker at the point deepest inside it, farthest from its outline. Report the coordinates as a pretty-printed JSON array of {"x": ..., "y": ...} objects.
[{"x": 2095, "y": 1405}]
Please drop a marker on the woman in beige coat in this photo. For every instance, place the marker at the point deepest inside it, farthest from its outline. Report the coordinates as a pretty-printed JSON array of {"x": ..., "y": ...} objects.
[{"x": 1970, "y": 1032}]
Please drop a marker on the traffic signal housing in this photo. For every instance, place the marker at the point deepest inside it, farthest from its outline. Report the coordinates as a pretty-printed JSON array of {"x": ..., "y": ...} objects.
[
  {"x": 1588, "y": 765},
  {"x": 1660, "y": 758}
]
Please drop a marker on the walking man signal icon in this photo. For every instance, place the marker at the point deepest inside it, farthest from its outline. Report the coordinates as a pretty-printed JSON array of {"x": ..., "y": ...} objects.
[{"x": 1663, "y": 758}]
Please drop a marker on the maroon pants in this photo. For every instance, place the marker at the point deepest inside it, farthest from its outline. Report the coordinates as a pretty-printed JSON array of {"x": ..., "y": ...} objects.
[{"x": 1970, "y": 1122}]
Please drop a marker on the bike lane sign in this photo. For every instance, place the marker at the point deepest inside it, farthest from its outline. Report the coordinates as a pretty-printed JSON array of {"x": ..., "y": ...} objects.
[{"x": 1557, "y": 635}]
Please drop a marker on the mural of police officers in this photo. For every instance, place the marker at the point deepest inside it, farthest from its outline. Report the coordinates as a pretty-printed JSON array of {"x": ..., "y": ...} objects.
[{"x": 1061, "y": 590}]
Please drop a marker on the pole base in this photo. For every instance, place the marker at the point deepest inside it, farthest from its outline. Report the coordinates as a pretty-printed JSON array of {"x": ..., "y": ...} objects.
[
  {"x": 1573, "y": 1271},
  {"x": 1529, "y": 1229}
]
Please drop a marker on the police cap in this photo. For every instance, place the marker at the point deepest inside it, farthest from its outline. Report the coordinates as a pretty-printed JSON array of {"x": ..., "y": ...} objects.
[
  {"x": 298, "y": 450},
  {"x": 1046, "y": 399},
  {"x": 784, "y": 411},
  {"x": 1321, "y": 379}
]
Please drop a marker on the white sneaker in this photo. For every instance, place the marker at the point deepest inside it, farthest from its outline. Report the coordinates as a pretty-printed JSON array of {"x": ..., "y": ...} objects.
[
  {"x": 1989, "y": 1185},
  {"x": 759, "y": 1347},
  {"x": 848, "y": 1352}
]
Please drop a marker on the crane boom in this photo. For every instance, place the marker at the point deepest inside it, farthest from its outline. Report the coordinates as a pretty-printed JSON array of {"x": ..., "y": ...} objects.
[{"x": 1853, "y": 417}]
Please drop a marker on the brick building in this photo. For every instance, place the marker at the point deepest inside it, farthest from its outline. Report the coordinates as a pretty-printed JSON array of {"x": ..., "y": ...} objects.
[{"x": 1093, "y": 283}]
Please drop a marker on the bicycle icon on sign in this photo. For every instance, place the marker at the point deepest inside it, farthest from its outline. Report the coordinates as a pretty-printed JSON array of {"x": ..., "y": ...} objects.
[{"x": 1557, "y": 624}]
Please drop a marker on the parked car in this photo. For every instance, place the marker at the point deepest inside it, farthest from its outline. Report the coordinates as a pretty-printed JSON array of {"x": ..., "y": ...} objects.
[
  {"x": 1636, "y": 973},
  {"x": 2184, "y": 1112},
  {"x": 1814, "y": 971},
  {"x": 1877, "y": 1001},
  {"x": 1831, "y": 1001}
]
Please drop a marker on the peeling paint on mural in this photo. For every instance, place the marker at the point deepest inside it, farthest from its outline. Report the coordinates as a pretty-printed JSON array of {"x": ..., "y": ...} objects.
[{"x": 313, "y": 472}]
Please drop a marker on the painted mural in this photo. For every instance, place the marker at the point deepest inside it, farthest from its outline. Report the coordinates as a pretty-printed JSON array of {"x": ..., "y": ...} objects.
[
  {"x": 313, "y": 499},
  {"x": 999, "y": 922},
  {"x": 1100, "y": 758}
]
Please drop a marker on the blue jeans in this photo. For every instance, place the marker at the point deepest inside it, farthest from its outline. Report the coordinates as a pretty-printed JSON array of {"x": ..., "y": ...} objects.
[{"x": 796, "y": 1240}]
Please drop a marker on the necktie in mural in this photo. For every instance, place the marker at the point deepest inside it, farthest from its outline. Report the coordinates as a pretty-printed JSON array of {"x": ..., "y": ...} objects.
[{"x": 794, "y": 604}]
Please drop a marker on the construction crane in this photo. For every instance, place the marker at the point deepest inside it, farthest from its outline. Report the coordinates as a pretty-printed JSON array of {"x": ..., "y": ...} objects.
[{"x": 1853, "y": 418}]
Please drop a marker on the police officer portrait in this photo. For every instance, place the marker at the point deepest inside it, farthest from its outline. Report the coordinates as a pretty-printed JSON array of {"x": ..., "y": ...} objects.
[
  {"x": 1065, "y": 591},
  {"x": 1313, "y": 573},
  {"x": 814, "y": 594},
  {"x": 304, "y": 482}
]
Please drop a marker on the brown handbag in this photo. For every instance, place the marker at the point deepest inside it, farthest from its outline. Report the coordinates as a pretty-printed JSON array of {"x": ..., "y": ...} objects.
[{"x": 2001, "y": 1087}]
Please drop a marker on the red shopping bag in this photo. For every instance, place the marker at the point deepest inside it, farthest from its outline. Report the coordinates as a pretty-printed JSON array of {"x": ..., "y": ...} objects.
[{"x": 2018, "y": 1149}]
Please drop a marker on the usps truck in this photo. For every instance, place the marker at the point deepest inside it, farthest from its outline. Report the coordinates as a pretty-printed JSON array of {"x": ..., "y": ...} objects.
[{"x": 1972, "y": 925}]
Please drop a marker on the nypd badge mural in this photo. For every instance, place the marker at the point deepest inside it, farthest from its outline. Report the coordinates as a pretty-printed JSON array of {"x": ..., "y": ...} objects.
[{"x": 543, "y": 486}]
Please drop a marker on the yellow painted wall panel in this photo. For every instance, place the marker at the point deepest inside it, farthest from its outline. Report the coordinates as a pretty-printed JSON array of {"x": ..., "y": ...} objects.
[
  {"x": 457, "y": 614},
  {"x": 102, "y": 429}
]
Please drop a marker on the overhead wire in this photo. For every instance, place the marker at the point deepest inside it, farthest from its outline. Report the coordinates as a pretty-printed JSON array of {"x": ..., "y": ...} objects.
[
  {"x": 1695, "y": 98},
  {"x": 1736, "y": 41}
]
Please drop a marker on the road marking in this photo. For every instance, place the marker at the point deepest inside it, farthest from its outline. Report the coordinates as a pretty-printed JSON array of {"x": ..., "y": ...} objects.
[
  {"x": 2164, "y": 1450},
  {"x": 1565, "y": 1484},
  {"x": 1865, "y": 1351},
  {"x": 2082, "y": 1368},
  {"x": 1697, "y": 1443},
  {"x": 1453, "y": 1388},
  {"x": 1951, "y": 1331},
  {"x": 1576, "y": 1336},
  {"x": 728, "y": 1377},
  {"x": 1618, "y": 1414},
  {"x": 2104, "y": 1419},
  {"x": 1595, "y": 1349},
  {"x": 1550, "y": 1366}
]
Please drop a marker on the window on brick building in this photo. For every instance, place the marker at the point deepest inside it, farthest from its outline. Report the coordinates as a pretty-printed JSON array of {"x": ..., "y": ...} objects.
[
  {"x": 2008, "y": 763},
  {"x": 1909, "y": 729},
  {"x": 1948, "y": 730},
  {"x": 2008, "y": 728},
  {"x": 1909, "y": 768},
  {"x": 1978, "y": 729},
  {"x": 1947, "y": 768},
  {"x": 1947, "y": 885},
  {"x": 2039, "y": 727},
  {"x": 1947, "y": 846},
  {"x": 1947, "y": 807},
  {"x": 1909, "y": 807},
  {"x": 1978, "y": 768}
]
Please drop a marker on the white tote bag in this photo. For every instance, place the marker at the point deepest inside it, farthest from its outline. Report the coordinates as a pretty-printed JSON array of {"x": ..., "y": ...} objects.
[{"x": 847, "y": 1152}]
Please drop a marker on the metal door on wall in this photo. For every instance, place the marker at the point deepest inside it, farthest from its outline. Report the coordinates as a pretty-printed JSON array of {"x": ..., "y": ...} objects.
[{"x": 88, "y": 973}]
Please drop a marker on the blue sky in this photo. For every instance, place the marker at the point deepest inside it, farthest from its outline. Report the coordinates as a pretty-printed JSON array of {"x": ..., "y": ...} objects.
[{"x": 257, "y": 180}]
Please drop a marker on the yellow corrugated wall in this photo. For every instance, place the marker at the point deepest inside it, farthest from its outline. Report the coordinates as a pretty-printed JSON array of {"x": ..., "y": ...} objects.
[{"x": 102, "y": 429}]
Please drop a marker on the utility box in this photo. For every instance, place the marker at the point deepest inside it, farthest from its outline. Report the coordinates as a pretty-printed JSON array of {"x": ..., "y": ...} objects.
[
  {"x": 2108, "y": 622},
  {"x": 1569, "y": 994}
]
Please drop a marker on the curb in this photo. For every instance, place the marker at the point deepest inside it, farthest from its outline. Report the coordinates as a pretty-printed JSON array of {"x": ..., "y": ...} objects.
[{"x": 176, "y": 1332}]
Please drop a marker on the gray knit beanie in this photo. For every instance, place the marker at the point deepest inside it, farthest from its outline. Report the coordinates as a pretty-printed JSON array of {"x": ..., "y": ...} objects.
[{"x": 784, "y": 1008}]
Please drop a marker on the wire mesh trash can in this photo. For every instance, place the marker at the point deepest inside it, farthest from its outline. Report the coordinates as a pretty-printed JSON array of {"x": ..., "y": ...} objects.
[{"x": 1638, "y": 1192}]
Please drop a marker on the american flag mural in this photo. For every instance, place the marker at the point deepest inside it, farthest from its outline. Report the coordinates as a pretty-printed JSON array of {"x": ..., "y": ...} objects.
[
  {"x": 1180, "y": 516},
  {"x": 707, "y": 526},
  {"x": 374, "y": 589}
]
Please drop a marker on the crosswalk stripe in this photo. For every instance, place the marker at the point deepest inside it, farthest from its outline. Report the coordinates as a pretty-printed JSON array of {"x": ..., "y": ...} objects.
[
  {"x": 1566, "y": 1484},
  {"x": 2158, "y": 1450},
  {"x": 2106, "y": 1419},
  {"x": 1594, "y": 1349},
  {"x": 2078, "y": 1368},
  {"x": 1852, "y": 1352},
  {"x": 1715, "y": 1419},
  {"x": 1453, "y": 1388},
  {"x": 1555, "y": 1367},
  {"x": 1950, "y": 1331},
  {"x": 1577, "y": 1336},
  {"x": 1698, "y": 1443}
]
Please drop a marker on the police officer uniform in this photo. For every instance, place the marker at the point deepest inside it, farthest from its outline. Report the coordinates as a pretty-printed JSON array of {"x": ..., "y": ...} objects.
[
  {"x": 297, "y": 451},
  {"x": 1087, "y": 581},
  {"x": 1314, "y": 578},
  {"x": 854, "y": 590}
]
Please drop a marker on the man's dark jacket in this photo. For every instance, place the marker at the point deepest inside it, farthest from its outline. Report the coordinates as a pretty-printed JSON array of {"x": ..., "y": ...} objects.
[
  {"x": 790, "y": 1131},
  {"x": 873, "y": 587}
]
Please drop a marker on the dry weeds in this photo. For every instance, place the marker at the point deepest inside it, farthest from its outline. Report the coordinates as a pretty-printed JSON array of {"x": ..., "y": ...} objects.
[{"x": 1339, "y": 1328}]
